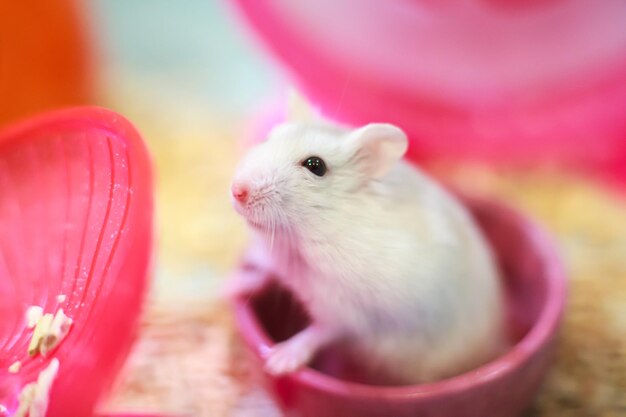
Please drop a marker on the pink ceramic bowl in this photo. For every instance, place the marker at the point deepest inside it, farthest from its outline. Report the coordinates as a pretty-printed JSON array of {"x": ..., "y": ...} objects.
[{"x": 536, "y": 290}]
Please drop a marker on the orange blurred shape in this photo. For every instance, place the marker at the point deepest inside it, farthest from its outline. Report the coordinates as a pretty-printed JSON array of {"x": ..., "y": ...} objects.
[{"x": 44, "y": 57}]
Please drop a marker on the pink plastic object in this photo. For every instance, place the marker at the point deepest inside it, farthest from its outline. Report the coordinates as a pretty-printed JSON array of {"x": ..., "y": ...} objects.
[
  {"x": 75, "y": 219},
  {"x": 504, "y": 81},
  {"x": 536, "y": 290}
]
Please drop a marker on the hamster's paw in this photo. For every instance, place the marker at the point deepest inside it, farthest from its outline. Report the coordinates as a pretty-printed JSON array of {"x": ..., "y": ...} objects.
[{"x": 287, "y": 357}]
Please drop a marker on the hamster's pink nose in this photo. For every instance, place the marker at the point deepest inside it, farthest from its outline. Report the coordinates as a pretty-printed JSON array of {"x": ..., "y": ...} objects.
[{"x": 240, "y": 192}]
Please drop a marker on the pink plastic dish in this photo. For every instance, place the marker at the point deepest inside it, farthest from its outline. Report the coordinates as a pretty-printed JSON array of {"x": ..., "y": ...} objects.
[
  {"x": 536, "y": 291},
  {"x": 76, "y": 210}
]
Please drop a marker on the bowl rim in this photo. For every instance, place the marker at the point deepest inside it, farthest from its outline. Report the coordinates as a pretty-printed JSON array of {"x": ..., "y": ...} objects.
[{"x": 538, "y": 335}]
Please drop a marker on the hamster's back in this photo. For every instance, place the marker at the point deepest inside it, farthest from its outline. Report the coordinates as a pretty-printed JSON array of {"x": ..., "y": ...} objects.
[{"x": 436, "y": 285}]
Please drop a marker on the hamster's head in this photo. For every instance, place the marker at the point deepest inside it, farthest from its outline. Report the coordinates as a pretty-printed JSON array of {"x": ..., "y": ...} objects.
[{"x": 304, "y": 171}]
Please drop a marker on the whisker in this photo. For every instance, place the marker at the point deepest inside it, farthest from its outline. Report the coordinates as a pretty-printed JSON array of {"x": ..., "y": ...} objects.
[
  {"x": 272, "y": 232},
  {"x": 289, "y": 241}
]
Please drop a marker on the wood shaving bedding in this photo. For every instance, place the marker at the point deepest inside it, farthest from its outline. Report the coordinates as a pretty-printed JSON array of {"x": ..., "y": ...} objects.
[
  {"x": 49, "y": 332},
  {"x": 15, "y": 367},
  {"x": 33, "y": 315},
  {"x": 34, "y": 397},
  {"x": 189, "y": 359}
]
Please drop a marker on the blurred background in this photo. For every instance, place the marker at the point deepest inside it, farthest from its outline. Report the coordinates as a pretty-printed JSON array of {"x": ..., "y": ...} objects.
[{"x": 195, "y": 82}]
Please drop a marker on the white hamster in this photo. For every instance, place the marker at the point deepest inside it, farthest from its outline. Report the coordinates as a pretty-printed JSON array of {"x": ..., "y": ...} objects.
[{"x": 383, "y": 259}]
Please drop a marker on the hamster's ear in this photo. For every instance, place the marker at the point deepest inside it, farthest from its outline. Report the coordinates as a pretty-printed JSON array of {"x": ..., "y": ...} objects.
[
  {"x": 282, "y": 129},
  {"x": 378, "y": 146}
]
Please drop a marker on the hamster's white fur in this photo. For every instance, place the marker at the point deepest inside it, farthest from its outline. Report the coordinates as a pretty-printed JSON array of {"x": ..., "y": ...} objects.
[{"x": 381, "y": 256}]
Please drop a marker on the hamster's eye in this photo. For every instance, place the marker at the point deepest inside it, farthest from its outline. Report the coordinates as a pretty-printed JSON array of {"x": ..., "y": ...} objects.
[{"x": 315, "y": 165}]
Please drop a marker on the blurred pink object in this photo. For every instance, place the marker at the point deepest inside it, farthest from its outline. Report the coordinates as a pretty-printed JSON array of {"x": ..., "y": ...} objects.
[
  {"x": 75, "y": 220},
  {"x": 503, "y": 81},
  {"x": 536, "y": 290}
]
